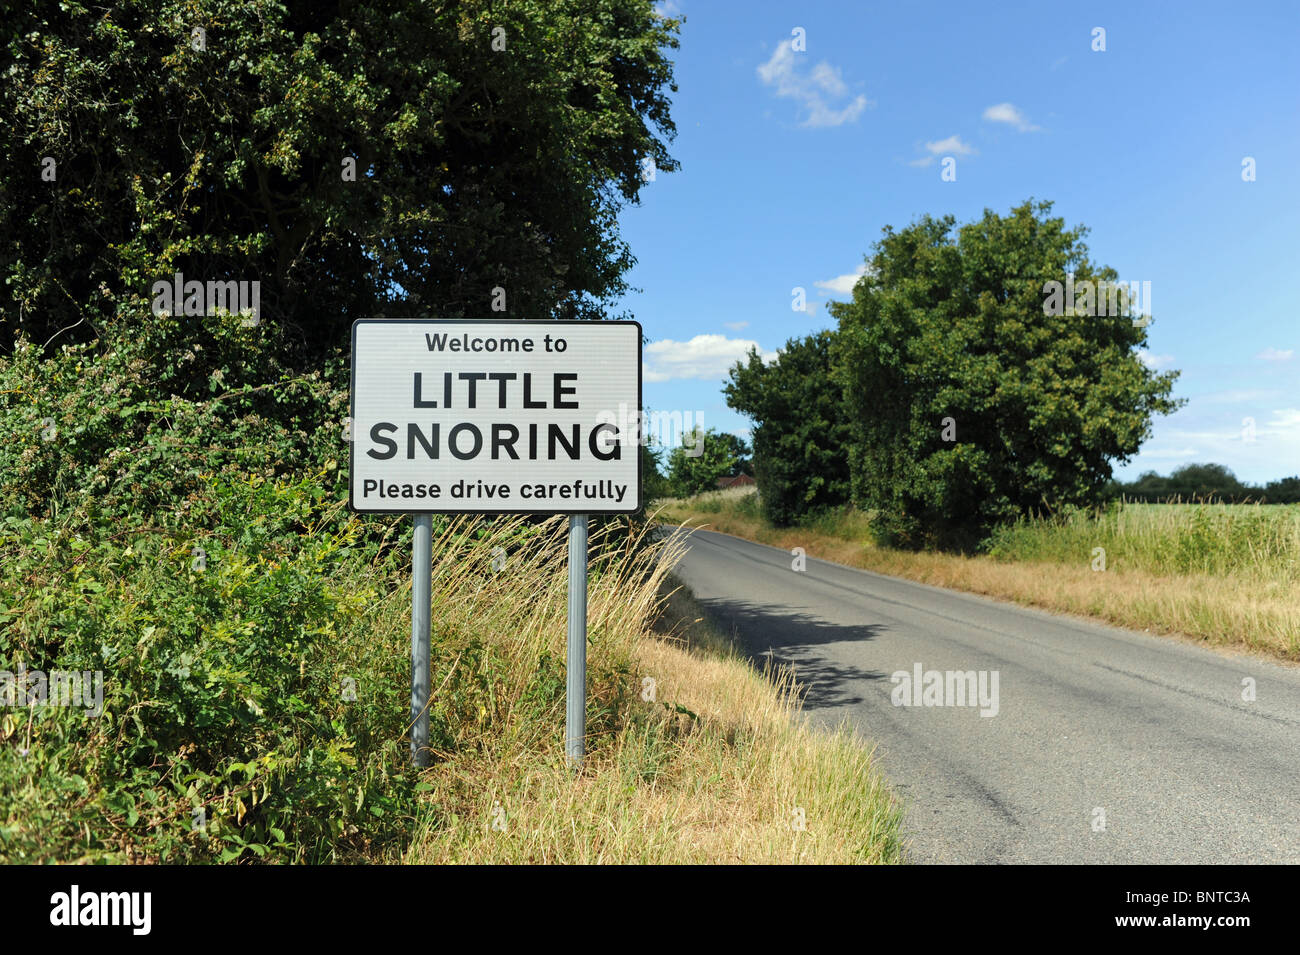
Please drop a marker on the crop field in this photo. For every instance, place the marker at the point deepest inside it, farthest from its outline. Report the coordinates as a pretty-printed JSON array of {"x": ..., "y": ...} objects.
[{"x": 1250, "y": 541}]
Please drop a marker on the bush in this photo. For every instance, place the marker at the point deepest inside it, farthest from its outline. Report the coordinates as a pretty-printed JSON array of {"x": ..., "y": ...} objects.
[
  {"x": 127, "y": 424},
  {"x": 214, "y": 631}
]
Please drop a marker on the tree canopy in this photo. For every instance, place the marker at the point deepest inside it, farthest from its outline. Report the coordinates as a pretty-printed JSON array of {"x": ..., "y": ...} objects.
[
  {"x": 365, "y": 158},
  {"x": 704, "y": 455},
  {"x": 952, "y": 396},
  {"x": 968, "y": 400},
  {"x": 360, "y": 158},
  {"x": 801, "y": 434},
  {"x": 1206, "y": 482}
]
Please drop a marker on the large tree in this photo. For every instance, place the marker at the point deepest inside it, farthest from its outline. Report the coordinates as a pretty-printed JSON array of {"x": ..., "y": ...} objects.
[
  {"x": 800, "y": 430},
  {"x": 358, "y": 158},
  {"x": 969, "y": 398},
  {"x": 704, "y": 455}
]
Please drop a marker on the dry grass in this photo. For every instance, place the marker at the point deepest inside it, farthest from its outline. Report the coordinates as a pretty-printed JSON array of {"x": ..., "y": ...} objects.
[
  {"x": 719, "y": 767},
  {"x": 1251, "y": 605}
]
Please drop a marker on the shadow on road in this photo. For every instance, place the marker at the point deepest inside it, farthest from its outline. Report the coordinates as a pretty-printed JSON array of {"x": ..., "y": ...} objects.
[{"x": 798, "y": 641}]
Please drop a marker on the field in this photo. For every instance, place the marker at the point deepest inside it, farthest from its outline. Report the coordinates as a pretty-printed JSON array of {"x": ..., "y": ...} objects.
[{"x": 1225, "y": 575}]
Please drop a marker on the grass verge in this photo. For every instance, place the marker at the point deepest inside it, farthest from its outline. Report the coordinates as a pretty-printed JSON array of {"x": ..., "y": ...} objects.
[
  {"x": 1223, "y": 575},
  {"x": 255, "y": 661},
  {"x": 714, "y": 764}
]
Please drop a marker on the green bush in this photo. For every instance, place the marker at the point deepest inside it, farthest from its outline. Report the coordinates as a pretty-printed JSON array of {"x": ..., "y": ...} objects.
[
  {"x": 127, "y": 425},
  {"x": 801, "y": 429},
  {"x": 217, "y": 635}
]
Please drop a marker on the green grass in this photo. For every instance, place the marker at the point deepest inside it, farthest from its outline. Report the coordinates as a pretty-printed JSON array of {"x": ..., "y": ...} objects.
[{"x": 1251, "y": 541}]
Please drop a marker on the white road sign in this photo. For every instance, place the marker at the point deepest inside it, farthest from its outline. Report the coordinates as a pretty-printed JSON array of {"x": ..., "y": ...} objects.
[{"x": 495, "y": 417}]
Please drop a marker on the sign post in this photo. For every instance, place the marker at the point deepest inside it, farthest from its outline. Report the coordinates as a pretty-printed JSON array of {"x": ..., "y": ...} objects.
[
  {"x": 421, "y": 611},
  {"x": 479, "y": 416},
  {"x": 575, "y": 710}
]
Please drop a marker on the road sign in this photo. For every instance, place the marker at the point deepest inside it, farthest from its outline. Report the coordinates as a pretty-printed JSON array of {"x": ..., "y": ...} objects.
[{"x": 495, "y": 417}]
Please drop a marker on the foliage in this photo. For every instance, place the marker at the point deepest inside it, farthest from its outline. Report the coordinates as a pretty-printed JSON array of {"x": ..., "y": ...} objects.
[
  {"x": 704, "y": 456},
  {"x": 1206, "y": 482},
  {"x": 476, "y": 167},
  {"x": 128, "y": 427},
  {"x": 255, "y": 657},
  {"x": 1234, "y": 540},
  {"x": 949, "y": 334},
  {"x": 654, "y": 483},
  {"x": 224, "y": 732},
  {"x": 800, "y": 428}
]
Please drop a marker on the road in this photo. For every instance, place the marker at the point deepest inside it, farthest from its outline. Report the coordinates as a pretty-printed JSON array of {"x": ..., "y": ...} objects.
[{"x": 1107, "y": 745}]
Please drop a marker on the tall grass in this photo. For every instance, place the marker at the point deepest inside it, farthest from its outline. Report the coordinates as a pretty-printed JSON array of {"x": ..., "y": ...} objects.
[
  {"x": 717, "y": 771},
  {"x": 1245, "y": 540},
  {"x": 707, "y": 762}
]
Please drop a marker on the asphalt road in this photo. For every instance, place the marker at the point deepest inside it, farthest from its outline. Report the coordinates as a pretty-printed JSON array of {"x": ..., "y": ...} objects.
[{"x": 1090, "y": 719}]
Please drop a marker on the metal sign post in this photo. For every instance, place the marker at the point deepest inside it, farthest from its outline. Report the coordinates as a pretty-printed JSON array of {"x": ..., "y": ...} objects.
[
  {"x": 421, "y": 610},
  {"x": 487, "y": 416},
  {"x": 575, "y": 709}
]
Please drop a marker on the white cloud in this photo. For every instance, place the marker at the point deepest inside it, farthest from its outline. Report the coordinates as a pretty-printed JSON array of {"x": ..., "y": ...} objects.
[
  {"x": 1276, "y": 354},
  {"x": 668, "y": 8},
  {"x": 922, "y": 162},
  {"x": 736, "y": 326},
  {"x": 1155, "y": 362},
  {"x": 1009, "y": 114},
  {"x": 952, "y": 144},
  {"x": 820, "y": 92},
  {"x": 1170, "y": 453},
  {"x": 1223, "y": 437},
  {"x": 1286, "y": 421},
  {"x": 843, "y": 284},
  {"x": 704, "y": 356}
]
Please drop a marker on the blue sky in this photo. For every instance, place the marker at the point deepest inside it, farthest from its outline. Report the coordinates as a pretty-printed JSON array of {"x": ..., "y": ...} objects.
[{"x": 793, "y": 161}]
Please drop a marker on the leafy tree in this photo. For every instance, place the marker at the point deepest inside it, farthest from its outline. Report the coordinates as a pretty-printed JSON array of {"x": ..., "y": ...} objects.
[
  {"x": 738, "y": 449},
  {"x": 1149, "y": 487},
  {"x": 493, "y": 142},
  {"x": 654, "y": 485},
  {"x": 800, "y": 428},
  {"x": 367, "y": 158},
  {"x": 1208, "y": 481},
  {"x": 1213, "y": 482},
  {"x": 968, "y": 403},
  {"x": 695, "y": 465},
  {"x": 1283, "y": 491}
]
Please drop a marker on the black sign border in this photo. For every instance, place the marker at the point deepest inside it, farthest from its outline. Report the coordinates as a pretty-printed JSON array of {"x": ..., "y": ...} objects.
[{"x": 543, "y": 323}]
